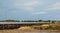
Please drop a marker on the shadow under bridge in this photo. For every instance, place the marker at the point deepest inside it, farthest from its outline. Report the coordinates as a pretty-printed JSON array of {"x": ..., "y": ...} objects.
[{"x": 15, "y": 25}]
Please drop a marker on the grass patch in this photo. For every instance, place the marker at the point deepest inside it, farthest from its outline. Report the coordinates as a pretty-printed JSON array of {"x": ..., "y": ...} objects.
[{"x": 47, "y": 27}]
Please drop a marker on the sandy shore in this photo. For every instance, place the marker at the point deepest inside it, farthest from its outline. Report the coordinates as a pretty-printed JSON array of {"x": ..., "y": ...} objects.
[
  {"x": 25, "y": 31},
  {"x": 18, "y": 31}
]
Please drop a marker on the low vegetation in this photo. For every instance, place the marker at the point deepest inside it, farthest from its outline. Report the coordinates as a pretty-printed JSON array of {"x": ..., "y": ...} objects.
[
  {"x": 47, "y": 27},
  {"x": 53, "y": 21},
  {"x": 54, "y": 26},
  {"x": 9, "y": 21}
]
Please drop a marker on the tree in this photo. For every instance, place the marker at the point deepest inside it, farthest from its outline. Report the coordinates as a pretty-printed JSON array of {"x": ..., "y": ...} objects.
[
  {"x": 10, "y": 21},
  {"x": 39, "y": 20}
]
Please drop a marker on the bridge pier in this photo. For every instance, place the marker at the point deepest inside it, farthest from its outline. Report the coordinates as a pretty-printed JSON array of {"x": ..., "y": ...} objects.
[
  {"x": 9, "y": 26},
  {"x": 14, "y": 26}
]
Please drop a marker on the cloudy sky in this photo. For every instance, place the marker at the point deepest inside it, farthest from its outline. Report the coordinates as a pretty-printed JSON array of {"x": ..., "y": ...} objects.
[{"x": 30, "y": 9}]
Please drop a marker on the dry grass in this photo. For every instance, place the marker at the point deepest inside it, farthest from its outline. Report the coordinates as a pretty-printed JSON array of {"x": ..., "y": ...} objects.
[
  {"x": 25, "y": 29},
  {"x": 47, "y": 27},
  {"x": 20, "y": 30}
]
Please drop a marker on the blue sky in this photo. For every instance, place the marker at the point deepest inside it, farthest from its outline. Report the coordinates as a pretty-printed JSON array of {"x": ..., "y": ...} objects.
[{"x": 30, "y": 9}]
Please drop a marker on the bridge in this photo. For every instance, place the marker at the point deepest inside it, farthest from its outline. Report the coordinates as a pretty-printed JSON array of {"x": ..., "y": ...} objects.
[
  {"x": 24, "y": 22},
  {"x": 15, "y": 25}
]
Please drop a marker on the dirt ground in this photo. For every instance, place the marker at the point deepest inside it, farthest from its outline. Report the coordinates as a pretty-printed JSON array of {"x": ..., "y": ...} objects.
[
  {"x": 21, "y": 30},
  {"x": 18, "y": 31},
  {"x": 24, "y": 29}
]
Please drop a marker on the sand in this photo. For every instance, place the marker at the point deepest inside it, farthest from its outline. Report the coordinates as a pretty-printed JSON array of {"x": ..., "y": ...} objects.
[
  {"x": 19, "y": 30},
  {"x": 22, "y": 30}
]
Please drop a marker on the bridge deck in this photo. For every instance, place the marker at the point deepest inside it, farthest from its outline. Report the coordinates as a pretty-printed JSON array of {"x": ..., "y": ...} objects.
[{"x": 24, "y": 22}]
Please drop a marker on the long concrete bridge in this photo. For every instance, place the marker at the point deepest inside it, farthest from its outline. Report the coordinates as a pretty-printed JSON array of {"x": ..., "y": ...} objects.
[
  {"x": 24, "y": 22},
  {"x": 14, "y": 25}
]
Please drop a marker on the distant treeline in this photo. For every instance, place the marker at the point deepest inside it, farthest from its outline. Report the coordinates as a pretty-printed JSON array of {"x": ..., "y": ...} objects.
[
  {"x": 30, "y": 21},
  {"x": 25, "y": 21},
  {"x": 36, "y": 20},
  {"x": 9, "y": 21}
]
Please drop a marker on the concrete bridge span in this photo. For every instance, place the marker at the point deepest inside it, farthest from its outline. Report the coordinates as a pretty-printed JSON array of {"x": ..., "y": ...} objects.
[{"x": 15, "y": 25}]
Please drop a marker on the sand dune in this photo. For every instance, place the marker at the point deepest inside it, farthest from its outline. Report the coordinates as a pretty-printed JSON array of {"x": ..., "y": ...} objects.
[
  {"x": 19, "y": 30},
  {"x": 24, "y": 29}
]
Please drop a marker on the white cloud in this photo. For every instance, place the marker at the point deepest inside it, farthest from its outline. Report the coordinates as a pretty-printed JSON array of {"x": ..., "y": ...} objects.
[
  {"x": 55, "y": 6},
  {"x": 27, "y": 5},
  {"x": 32, "y": 3},
  {"x": 28, "y": 8},
  {"x": 40, "y": 13}
]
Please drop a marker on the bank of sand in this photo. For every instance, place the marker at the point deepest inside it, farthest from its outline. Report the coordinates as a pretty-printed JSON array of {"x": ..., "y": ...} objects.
[
  {"x": 20, "y": 30},
  {"x": 23, "y": 30}
]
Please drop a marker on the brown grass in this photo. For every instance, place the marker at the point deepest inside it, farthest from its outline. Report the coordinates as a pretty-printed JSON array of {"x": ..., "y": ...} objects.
[{"x": 25, "y": 29}]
